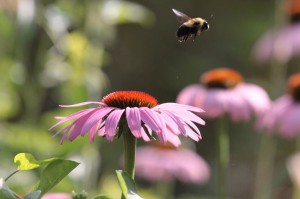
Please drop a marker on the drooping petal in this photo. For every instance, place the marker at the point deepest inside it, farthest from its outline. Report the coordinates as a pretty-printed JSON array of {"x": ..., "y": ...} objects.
[
  {"x": 187, "y": 116},
  {"x": 144, "y": 135},
  {"x": 192, "y": 133},
  {"x": 133, "y": 118},
  {"x": 94, "y": 118},
  {"x": 172, "y": 106},
  {"x": 82, "y": 104},
  {"x": 66, "y": 133},
  {"x": 111, "y": 123},
  {"x": 94, "y": 130},
  {"x": 72, "y": 116},
  {"x": 172, "y": 138},
  {"x": 162, "y": 134},
  {"x": 150, "y": 119},
  {"x": 172, "y": 122}
]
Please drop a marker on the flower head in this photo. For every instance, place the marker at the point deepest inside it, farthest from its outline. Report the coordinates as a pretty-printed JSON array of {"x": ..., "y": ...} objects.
[
  {"x": 181, "y": 164},
  {"x": 293, "y": 10},
  {"x": 223, "y": 91},
  {"x": 284, "y": 112},
  {"x": 284, "y": 42},
  {"x": 137, "y": 111}
]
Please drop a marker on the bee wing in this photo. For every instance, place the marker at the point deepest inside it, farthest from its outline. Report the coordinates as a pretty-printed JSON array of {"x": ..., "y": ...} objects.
[{"x": 181, "y": 17}]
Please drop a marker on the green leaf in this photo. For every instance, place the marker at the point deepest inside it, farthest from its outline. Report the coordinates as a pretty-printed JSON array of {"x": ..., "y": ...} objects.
[
  {"x": 33, "y": 195},
  {"x": 54, "y": 173},
  {"x": 5, "y": 192},
  {"x": 102, "y": 197},
  {"x": 127, "y": 184},
  {"x": 26, "y": 161}
]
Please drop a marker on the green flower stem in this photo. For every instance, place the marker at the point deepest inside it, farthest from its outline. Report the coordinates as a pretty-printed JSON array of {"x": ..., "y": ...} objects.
[
  {"x": 129, "y": 152},
  {"x": 265, "y": 167},
  {"x": 223, "y": 157},
  {"x": 10, "y": 175}
]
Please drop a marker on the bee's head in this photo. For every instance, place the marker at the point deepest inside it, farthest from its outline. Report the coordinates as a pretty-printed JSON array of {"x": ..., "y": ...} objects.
[{"x": 205, "y": 26}]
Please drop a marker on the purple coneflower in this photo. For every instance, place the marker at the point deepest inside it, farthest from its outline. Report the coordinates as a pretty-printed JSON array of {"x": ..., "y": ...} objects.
[
  {"x": 223, "y": 91},
  {"x": 194, "y": 169},
  {"x": 285, "y": 111},
  {"x": 138, "y": 111},
  {"x": 284, "y": 42}
]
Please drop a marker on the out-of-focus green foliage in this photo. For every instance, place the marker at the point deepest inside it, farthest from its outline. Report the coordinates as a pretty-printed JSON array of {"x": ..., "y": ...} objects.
[
  {"x": 62, "y": 52},
  {"x": 53, "y": 52}
]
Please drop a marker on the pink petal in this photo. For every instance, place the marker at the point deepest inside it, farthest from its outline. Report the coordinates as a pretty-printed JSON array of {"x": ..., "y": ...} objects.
[
  {"x": 134, "y": 121},
  {"x": 172, "y": 138},
  {"x": 162, "y": 134},
  {"x": 101, "y": 131},
  {"x": 66, "y": 134},
  {"x": 145, "y": 136},
  {"x": 94, "y": 118},
  {"x": 187, "y": 116},
  {"x": 257, "y": 98},
  {"x": 173, "y": 121},
  {"x": 213, "y": 103},
  {"x": 72, "y": 116},
  {"x": 290, "y": 122},
  {"x": 82, "y": 104},
  {"x": 150, "y": 119},
  {"x": 173, "y": 106},
  {"x": 111, "y": 123},
  {"x": 190, "y": 95},
  {"x": 94, "y": 130}
]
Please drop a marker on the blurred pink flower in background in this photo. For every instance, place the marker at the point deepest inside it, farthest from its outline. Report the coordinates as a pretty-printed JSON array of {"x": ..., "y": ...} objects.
[
  {"x": 137, "y": 111},
  {"x": 57, "y": 196},
  {"x": 284, "y": 114},
  {"x": 223, "y": 91},
  {"x": 284, "y": 42},
  {"x": 163, "y": 163}
]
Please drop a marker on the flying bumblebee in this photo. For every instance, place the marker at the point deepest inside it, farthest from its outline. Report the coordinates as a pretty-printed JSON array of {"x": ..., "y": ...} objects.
[{"x": 191, "y": 27}]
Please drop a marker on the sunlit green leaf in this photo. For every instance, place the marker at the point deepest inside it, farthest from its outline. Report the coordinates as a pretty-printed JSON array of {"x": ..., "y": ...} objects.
[
  {"x": 26, "y": 161},
  {"x": 127, "y": 185},
  {"x": 54, "y": 173}
]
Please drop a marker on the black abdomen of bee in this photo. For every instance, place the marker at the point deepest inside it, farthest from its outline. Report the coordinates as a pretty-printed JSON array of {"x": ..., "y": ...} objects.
[{"x": 184, "y": 32}]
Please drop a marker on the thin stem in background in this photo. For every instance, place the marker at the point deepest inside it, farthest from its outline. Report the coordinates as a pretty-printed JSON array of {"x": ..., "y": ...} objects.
[
  {"x": 265, "y": 167},
  {"x": 267, "y": 148},
  {"x": 223, "y": 157}
]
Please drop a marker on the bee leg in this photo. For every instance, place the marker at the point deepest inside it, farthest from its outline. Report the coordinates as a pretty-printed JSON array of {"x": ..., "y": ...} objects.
[
  {"x": 186, "y": 37},
  {"x": 194, "y": 36}
]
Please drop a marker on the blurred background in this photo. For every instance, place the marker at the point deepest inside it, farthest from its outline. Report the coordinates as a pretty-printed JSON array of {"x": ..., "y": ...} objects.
[{"x": 63, "y": 52}]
